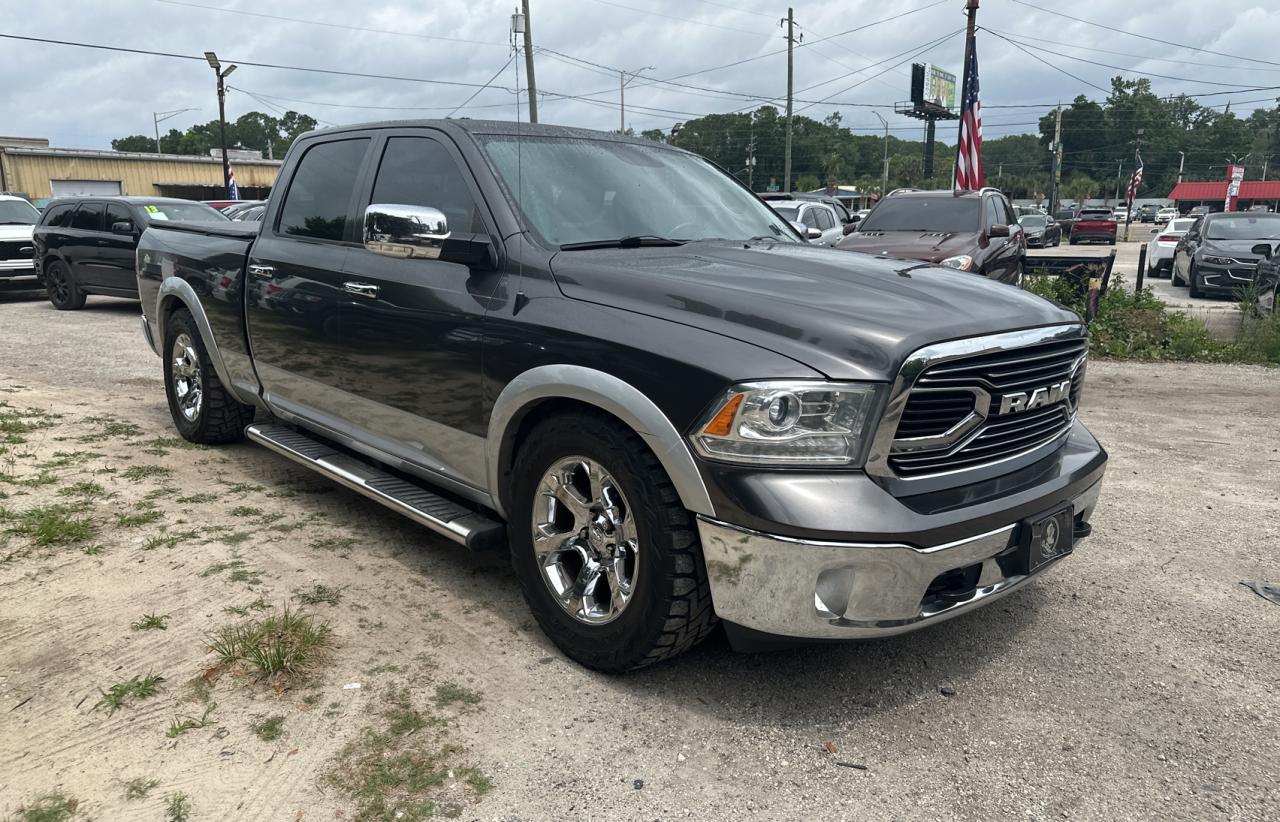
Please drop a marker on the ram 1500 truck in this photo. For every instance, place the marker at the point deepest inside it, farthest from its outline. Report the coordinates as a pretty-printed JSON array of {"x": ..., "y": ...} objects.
[{"x": 608, "y": 357}]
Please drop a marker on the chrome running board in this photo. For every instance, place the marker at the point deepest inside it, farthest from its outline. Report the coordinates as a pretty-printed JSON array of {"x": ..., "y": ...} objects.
[{"x": 446, "y": 517}]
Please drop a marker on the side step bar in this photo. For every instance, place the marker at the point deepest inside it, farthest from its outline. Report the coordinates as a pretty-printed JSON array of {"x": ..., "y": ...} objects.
[{"x": 445, "y": 517}]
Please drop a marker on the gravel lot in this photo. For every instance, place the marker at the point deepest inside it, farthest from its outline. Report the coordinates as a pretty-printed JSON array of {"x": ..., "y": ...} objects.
[{"x": 1137, "y": 681}]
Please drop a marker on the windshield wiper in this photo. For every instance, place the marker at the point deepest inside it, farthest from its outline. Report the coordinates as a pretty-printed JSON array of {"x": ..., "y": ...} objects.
[{"x": 633, "y": 241}]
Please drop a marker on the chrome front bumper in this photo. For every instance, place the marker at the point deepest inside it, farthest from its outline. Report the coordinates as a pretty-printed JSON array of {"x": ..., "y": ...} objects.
[{"x": 834, "y": 590}]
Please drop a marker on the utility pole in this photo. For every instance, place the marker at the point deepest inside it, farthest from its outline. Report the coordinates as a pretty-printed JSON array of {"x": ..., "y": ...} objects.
[
  {"x": 622, "y": 95},
  {"x": 1266, "y": 161},
  {"x": 751, "y": 163},
  {"x": 1182, "y": 156},
  {"x": 528, "y": 62},
  {"x": 1055, "y": 168},
  {"x": 884, "y": 178},
  {"x": 786, "y": 157},
  {"x": 158, "y": 117},
  {"x": 222, "y": 74},
  {"x": 1119, "y": 172}
]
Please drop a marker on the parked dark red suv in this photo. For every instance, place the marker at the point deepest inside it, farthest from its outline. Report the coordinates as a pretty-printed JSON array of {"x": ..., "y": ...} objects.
[{"x": 974, "y": 231}]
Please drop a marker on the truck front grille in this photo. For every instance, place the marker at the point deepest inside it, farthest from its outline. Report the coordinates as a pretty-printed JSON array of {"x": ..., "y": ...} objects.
[
  {"x": 969, "y": 411},
  {"x": 13, "y": 250}
]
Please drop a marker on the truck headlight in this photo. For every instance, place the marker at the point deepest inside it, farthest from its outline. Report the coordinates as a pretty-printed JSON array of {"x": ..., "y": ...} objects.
[
  {"x": 961, "y": 261},
  {"x": 790, "y": 423},
  {"x": 1212, "y": 260}
]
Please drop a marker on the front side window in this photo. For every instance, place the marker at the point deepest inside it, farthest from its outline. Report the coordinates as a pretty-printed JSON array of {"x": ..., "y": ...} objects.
[
  {"x": 825, "y": 220},
  {"x": 419, "y": 171},
  {"x": 573, "y": 190},
  {"x": 88, "y": 217},
  {"x": 810, "y": 217},
  {"x": 116, "y": 213},
  {"x": 18, "y": 212},
  {"x": 318, "y": 203},
  {"x": 993, "y": 212},
  {"x": 933, "y": 214}
]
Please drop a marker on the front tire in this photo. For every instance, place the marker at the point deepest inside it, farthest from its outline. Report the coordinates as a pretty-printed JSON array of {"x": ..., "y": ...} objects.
[
  {"x": 202, "y": 408},
  {"x": 608, "y": 558},
  {"x": 1193, "y": 284},
  {"x": 63, "y": 290}
]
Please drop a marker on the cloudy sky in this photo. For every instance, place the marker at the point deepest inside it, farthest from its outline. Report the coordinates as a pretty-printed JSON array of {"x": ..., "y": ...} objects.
[{"x": 82, "y": 98}]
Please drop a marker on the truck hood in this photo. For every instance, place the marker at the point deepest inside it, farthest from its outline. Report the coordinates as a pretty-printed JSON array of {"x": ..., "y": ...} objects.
[
  {"x": 846, "y": 315},
  {"x": 930, "y": 246},
  {"x": 8, "y": 233}
]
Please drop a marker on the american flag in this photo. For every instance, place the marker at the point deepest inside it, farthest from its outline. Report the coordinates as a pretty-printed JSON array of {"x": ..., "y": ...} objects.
[
  {"x": 969, "y": 151},
  {"x": 233, "y": 191},
  {"x": 1136, "y": 181}
]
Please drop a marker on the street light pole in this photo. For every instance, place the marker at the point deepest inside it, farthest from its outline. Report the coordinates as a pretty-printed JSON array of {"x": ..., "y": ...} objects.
[
  {"x": 884, "y": 174},
  {"x": 1182, "y": 156},
  {"x": 222, "y": 75},
  {"x": 622, "y": 94},
  {"x": 158, "y": 117}
]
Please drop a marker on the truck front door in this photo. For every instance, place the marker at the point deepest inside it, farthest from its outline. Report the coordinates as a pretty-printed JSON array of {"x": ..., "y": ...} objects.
[{"x": 412, "y": 327}]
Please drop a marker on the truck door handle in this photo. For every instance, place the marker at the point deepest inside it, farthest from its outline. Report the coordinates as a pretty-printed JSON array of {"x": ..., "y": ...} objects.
[
  {"x": 262, "y": 272},
  {"x": 363, "y": 289}
]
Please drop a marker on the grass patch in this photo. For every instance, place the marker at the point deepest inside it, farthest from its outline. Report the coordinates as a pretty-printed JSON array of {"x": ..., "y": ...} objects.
[
  {"x": 160, "y": 446},
  {"x": 283, "y": 647},
  {"x": 236, "y": 538},
  {"x": 49, "y": 807},
  {"x": 180, "y": 725},
  {"x": 140, "y": 687},
  {"x": 339, "y": 545},
  {"x": 138, "y": 473},
  {"x": 109, "y": 427},
  {"x": 138, "y": 788},
  {"x": 317, "y": 594},
  {"x": 17, "y": 421},
  {"x": 269, "y": 729},
  {"x": 84, "y": 489},
  {"x": 404, "y": 768},
  {"x": 177, "y": 807},
  {"x": 259, "y": 604},
  {"x": 139, "y": 519},
  {"x": 244, "y": 488},
  {"x": 239, "y": 571},
  {"x": 245, "y": 511},
  {"x": 51, "y": 524},
  {"x": 449, "y": 693},
  {"x": 152, "y": 622},
  {"x": 197, "y": 499}
]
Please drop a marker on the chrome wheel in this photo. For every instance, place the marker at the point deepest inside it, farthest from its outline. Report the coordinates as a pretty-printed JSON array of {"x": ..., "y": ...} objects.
[
  {"x": 585, "y": 541},
  {"x": 188, "y": 387}
]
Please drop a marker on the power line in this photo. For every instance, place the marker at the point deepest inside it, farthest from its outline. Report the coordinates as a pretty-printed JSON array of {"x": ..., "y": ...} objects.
[
  {"x": 1047, "y": 63},
  {"x": 347, "y": 27},
  {"x": 482, "y": 88},
  {"x": 1022, "y": 36},
  {"x": 1143, "y": 36}
]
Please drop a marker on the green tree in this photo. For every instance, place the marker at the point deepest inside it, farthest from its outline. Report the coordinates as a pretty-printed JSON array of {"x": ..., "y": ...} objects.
[{"x": 134, "y": 142}]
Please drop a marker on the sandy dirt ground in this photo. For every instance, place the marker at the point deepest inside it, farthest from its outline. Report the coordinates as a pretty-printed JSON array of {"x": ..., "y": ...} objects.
[{"x": 1139, "y": 680}]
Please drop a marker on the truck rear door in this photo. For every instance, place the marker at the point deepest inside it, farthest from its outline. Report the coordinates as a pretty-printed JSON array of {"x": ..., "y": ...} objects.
[{"x": 294, "y": 280}]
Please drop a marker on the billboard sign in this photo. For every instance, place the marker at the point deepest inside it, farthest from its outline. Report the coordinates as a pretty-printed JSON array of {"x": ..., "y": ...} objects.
[{"x": 939, "y": 87}]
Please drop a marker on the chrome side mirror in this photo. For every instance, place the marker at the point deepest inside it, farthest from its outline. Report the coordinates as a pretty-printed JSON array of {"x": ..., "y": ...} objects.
[{"x": 405, "y": 230}]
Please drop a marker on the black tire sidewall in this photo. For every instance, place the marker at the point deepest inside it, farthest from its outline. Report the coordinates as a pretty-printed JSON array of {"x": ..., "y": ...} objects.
[
  {"x": 58, "y": 270},
  {"x": 623, "y": 643}
]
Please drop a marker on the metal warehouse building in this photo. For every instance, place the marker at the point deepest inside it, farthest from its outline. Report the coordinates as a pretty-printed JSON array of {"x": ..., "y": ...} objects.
[{"x": 31, "y": 168}]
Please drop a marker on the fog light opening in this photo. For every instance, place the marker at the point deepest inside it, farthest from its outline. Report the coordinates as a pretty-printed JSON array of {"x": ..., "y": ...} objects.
[{"x": 832, "y": 591}]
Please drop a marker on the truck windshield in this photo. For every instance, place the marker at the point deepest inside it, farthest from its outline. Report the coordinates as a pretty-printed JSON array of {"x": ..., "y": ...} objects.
[
  {"x": 18, "y": 212},
  {"x": 1256, "y": 227},
  {"x": 574, "y": 191},
  {"x": 949, "y": 215}
]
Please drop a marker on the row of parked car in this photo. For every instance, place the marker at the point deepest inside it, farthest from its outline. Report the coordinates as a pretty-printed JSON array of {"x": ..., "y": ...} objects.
[
  {"x": 1220, "y": 254},
  {"x": 88, "y": 243}
]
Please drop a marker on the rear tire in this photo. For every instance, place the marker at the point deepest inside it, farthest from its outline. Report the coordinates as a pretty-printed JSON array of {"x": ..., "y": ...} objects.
[
  {"x": 63, "y": 290},
  {"x": 202, "y": 408},
  {"x": 1073, "y": 241},
  {"x": 665, "y": 607}
]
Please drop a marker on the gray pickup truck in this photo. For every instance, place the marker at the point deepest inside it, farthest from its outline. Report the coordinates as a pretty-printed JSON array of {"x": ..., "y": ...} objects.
[{"x": 611, "y": 359}]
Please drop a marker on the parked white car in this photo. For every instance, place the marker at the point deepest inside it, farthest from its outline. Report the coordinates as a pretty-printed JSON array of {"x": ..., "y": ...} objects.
[
  {"x": 812, "y": 215},
  {"x": 1160, "y": 248},
  {"x": 18, "y": 218},
  {"x": 1166, "y": 214}
]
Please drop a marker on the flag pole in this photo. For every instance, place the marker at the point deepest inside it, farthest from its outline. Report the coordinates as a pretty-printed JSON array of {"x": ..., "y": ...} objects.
[{"x": 971, "y": 7}]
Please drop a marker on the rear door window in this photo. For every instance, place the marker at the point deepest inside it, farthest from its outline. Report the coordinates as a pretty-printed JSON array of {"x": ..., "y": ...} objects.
[
  {"x": 88, "y": 217},
  {"x": 318, "y": 203},
  {"x": 58, "y": 215}
]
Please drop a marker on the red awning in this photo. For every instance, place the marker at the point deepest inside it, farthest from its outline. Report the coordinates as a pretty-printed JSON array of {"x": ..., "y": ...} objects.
[{"x": 1249, "y": 190}]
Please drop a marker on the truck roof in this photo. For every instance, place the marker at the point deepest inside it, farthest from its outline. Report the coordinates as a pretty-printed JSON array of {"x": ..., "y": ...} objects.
[{"x": 502, "y": 127}]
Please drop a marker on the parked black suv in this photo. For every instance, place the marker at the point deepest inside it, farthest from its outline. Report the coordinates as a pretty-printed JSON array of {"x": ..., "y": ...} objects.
[
  {"x": 975, "y": 231},
  {"x": 85, "y": 245},
  {"x": 609, "y": 356}
]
